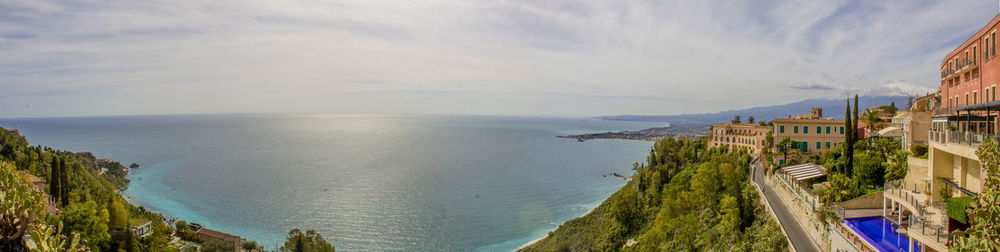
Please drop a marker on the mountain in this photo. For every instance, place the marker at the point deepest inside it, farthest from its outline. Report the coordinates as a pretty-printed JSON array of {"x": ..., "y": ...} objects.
[{"x": 831, "y": 108}]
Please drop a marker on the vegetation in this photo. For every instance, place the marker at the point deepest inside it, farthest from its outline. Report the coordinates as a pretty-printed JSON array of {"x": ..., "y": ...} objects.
[
  {"x": 310, "y": 241},
  {"x": 687, "y": 197},
  {"x": 984, "y": 212},
  {"x": 94, "y": 216}
]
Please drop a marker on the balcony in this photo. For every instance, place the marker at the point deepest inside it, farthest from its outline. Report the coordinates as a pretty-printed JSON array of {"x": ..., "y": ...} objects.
[
  {"x": 971, "y": 139},
  {"x": 926, "y": 222},
  {"x": 963, "y": 67}
]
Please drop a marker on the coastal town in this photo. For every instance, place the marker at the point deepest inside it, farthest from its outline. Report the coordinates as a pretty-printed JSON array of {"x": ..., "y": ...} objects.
[
  {"x": 919, "y": 211},
  {"x": 916, "y": 174}
]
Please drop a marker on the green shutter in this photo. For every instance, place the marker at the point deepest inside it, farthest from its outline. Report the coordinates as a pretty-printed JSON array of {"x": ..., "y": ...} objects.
[
  {"x": 819, "y": 130},
  {"x": 828, "y": 129},
  {"x": 795, "y": 129},
  {"x": 819, "y": 145},
  {"x": 781, "y": 129}
]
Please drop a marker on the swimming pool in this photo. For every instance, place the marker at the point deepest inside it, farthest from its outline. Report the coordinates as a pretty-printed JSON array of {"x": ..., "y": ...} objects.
[{"x": 880, "y": 232}]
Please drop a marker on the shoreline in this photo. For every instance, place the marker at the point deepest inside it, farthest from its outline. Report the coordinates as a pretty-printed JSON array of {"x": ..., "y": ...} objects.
[{"x": 590, "y": 210}]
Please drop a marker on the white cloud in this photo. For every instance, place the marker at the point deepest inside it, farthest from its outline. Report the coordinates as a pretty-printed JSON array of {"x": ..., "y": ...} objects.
[{"x": 479, "y": 57}]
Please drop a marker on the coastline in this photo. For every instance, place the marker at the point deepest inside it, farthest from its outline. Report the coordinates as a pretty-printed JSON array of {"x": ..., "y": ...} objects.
[{"x": 590, "y": 210}]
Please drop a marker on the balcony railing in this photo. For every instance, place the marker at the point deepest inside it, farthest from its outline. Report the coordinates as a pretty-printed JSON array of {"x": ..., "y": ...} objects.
[
  {"x": 919, "y": 222},
  {"x": 959, "y": 137},
  {"x": 962, "y": 67},
  {"x": 945, "y": 111}
]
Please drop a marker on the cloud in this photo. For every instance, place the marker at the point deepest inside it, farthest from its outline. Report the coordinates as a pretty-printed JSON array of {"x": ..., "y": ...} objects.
[
  {"x": 481, "y": 57},
  {"x": 901, "y": 88},
  {"x": 816, "y": 86}
]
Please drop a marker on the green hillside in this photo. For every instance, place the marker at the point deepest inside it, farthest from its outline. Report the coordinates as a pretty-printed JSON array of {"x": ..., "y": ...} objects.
[{"x": 685, "y": 198}]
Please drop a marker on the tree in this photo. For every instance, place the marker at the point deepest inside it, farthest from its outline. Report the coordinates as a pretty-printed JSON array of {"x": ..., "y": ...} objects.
[
  {"x": 869, "y": 171},
  {"x": 736, "y": 119},
  {"x": 873, "y": 122},
  {"x": 751, "y": 119},
  {"x": 310, "y": 241},
  {"x": 54, "y": 179},
  {"x": 848, "y": 139},
  {"x": 117, "y": 215},
  {"x": 87, "y": 220},
  {"x": 63, "y": 183},
  {"x": 897, "y": 166},
  {"x": 786, "y": 144},
  {"x": 984, "y": 213},
  {"x": 217, "y": 246}
]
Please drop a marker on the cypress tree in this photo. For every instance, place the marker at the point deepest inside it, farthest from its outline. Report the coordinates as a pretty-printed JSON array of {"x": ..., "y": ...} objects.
[
  {"x": 54, "y": 179},
  {"x": 848, "y": 152},
  {"x": 64, "y": 184},
  {"x": 854, "y": 137}
]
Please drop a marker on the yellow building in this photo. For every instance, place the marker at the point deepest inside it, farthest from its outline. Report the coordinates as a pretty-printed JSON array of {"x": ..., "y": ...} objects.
[
  {"x": 809, "y": 136},
  {"x": 749, "y": 137}
]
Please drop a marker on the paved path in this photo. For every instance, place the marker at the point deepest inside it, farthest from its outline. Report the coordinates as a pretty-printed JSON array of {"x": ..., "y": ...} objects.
[{"x": 800, "y": 240}]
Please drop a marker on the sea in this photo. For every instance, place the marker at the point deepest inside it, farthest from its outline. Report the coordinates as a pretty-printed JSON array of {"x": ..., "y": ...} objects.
[{"x": 365, "y": 182}]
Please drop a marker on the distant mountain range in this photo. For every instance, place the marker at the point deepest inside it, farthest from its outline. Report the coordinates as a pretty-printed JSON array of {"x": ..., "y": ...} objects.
[{"x": 831, "y": 108}]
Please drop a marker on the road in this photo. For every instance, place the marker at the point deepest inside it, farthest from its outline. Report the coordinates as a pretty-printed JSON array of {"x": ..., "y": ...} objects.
[{"x": 800, "y": 240}]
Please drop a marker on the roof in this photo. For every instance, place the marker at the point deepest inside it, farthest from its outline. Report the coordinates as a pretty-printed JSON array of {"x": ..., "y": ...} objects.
[
  {"x": 218, "y": 235},
  {"x": 805, "y": 171}
]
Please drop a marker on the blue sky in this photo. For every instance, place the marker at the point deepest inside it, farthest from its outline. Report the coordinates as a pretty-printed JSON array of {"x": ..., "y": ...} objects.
[{"x": 553, "y": 57}]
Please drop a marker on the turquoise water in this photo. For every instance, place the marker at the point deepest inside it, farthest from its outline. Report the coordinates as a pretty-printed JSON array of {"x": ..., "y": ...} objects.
[
  {"x": 881, "y": 233},
  {"x": 366, "y": 182}
]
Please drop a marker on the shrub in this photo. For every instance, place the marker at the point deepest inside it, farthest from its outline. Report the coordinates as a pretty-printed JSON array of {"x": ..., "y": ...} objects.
[
  {"x": 919, "y": 150},
  {"x": 956, "y": 208}
]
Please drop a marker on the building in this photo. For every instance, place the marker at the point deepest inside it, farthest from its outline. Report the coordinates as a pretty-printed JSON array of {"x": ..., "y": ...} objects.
[
  {"x": 749, "y": 137},
  {"x": 141, "y": 229},
  {"x": 914, "y": 126},
  {"x": 963, "y": 114},
  {"x": 809, "y": 136},
  {"x": 205, "y": 234}
]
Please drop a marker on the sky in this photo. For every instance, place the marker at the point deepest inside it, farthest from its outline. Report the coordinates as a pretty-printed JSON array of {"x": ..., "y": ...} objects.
[{"x": 489, "y": 57}]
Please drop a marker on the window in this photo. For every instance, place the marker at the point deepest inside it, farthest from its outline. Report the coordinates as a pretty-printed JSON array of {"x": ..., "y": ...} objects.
[
  {"x": 966, "y": 98},
  {"x": 975, "y": 97},
  {"x": 819, "y": 130},
  {"x": 827, "y": 145},
  {"x": 993, "y": 92},
  {"x": 819, "y": 145},
  {"x": 781, "y": 129},
  {"x": 828, "y": 129},
  {"x": 795, "y": 129},
  {"x": 993, "y": 44},
  {"x": 805, "y": 129},
  {"x": 841, "y": 130}
]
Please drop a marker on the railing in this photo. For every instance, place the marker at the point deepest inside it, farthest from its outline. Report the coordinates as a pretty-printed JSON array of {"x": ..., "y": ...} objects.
[
  {"x": 945, "y": 111},
  {"x": 959, "y": 137},
  {"x": 918, "y": 222}
]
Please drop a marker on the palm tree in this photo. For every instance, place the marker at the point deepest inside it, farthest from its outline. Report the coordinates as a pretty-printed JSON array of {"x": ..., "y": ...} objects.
[
  {"x": 785, "y": 145},
  {"x": 873, "y": 122}
]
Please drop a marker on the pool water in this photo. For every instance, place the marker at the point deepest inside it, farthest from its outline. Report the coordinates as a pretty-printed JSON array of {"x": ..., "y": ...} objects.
[{"x": 880, "y": 232}]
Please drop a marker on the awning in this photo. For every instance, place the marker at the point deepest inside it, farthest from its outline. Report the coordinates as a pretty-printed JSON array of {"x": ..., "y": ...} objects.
[
  {"x": 804, "y": 171},
  {"x": 891, "y": 132}
]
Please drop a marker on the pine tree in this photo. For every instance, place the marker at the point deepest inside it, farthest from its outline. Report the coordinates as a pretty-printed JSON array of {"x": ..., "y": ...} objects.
[{"x": 54, "y": 179}]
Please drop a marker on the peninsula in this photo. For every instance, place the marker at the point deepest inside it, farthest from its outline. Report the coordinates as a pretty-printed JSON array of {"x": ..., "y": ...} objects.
[{"x": 650, "y": 134}]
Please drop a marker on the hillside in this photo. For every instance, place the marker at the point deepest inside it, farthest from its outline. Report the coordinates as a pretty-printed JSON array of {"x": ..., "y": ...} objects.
[
  {"x": 688, "y": 198},
  {"x": 831, "y": 108}
]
